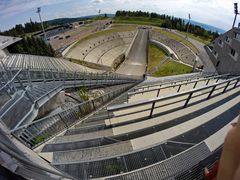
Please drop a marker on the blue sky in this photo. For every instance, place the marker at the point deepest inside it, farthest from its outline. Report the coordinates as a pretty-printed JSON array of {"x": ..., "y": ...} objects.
[{"x": 218, "y": 13}]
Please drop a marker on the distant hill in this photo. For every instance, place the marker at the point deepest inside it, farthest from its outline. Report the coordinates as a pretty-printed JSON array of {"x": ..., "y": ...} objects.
[
  {"x": 61, "y": 21},
  {"x": 207, "y": 27}
]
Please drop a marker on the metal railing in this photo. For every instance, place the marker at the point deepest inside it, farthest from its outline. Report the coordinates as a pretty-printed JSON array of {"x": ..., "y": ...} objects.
[
  {"x": 7, "y": 147},
  {"x": 39, "y": 131},
  {"x": 172, "y": 82},
  {"x": 158, "y": 89},
  {"x": 212, "y": 88},
  {"x": 35, "y": 74},
  {"x": 8, "y": 89},
  {"x": 24, "y": 79}
]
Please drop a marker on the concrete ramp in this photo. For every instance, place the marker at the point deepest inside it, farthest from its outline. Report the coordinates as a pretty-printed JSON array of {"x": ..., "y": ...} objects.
[{"x": 136, "y": 60}]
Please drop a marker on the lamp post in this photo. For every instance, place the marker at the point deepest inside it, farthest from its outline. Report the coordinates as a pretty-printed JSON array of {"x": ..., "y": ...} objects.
[
  {"x": 189, "y": 19},
  {"x": 39, "y": 13},
  {"x": 236, "y": 13}
]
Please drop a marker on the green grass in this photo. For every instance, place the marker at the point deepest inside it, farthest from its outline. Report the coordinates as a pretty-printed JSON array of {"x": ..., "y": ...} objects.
[
  {"x": 178, "y": 38},
  {"x": 139, "y": 20},
  {"x": 198, "y": 38},
  {"x": 40, "y": 138},
  {"x": 171, "y": 67},
  {"x": 156, "y": 55}
]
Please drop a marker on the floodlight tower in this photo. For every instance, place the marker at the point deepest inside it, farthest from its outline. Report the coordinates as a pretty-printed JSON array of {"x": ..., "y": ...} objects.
[
  {"x": 236, "y": 13},
  {"x": 39, "y": 13},
  {"x": 189, "y": 19}
]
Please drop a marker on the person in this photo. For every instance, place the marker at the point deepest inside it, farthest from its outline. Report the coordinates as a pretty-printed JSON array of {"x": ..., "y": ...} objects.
[{"x": 228, "y": 168}]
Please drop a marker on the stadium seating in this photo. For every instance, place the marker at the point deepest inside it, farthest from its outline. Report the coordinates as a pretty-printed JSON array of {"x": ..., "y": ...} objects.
[
  {"x": 183, "y": 52},
  {"x": 43, "y": 63},
  {"x": 103, "y": 49}
]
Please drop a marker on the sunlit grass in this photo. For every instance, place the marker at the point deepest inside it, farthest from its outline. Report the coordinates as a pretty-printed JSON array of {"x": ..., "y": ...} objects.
[{"x": 171, "y": 67}]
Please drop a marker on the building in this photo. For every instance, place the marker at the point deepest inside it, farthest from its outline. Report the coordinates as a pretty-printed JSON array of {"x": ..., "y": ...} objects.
[
  {"x": 225, "y": 52},
  {"x": 6, "y": 41}
]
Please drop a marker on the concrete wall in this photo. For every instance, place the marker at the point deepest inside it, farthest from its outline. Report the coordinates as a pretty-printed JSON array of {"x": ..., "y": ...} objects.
[
  {"x": 4, "y": 52},
  {"x": 166, "y": 49},
  {"x": 52, "y": 104}
]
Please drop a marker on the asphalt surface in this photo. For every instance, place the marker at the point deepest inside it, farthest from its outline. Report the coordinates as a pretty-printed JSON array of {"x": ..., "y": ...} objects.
[
  {"x": 136, "y": 61},
  {"x": 208, "y": 65}
]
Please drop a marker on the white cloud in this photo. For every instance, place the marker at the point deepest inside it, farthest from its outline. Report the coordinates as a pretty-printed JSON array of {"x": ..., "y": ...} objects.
[
  {"x": 12, "y": 7},
  {"x": 214, "y": 12}
]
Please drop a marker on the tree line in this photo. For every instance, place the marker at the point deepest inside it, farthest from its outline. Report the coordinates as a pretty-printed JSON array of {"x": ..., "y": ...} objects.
[
  {"x": 29, "y": 44},
  {"x": 20, "y": 30},
  {"x": 171, "y": 22},
  {"x": 32, "y": 45}
]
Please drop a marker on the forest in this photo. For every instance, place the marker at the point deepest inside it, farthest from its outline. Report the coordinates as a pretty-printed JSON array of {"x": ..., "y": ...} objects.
[
  {"x": 29, "y": 44},
  {"x": 170, "y": 22}
]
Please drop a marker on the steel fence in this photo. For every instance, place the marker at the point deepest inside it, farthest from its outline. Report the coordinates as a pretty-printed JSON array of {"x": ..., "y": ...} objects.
[{"x": 39, "y": 131}]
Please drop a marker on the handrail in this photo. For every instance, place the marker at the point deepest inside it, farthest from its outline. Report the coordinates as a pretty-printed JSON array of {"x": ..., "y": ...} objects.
[
  {"x": 10, "y": 81},
  {"x": 49, "y": 126},
  {"x": 5, "y": 148},
  {"x": 154, "y": 100},
  {"x": 164, "y": 83},
  {"x": 57, "y": 113},
  {"x": 78, "y": 73},
  {"x": 36, "y": 102},
  {"x": 194, "y": 81}
]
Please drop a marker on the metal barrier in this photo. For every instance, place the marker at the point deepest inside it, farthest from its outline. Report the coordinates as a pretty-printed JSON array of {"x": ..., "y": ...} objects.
[
  {"x": 24, "y": 80},
  {"x": 54, "y": 75},
  {"x": 189, "y": 94},
  {"x": 23, "y": 163},
  {"x": 179, "y": 85},
  {"x": 169, "y": 81},
  {"x": 42, "y": 130},
  {"x": 8, "y": 89}
]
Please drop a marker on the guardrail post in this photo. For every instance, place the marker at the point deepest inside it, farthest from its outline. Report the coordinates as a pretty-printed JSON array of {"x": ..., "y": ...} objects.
[
  {"x": 179, "y": 88},
  {"x": 151, "y": 112},
  {"x": 158, "y": 92},
  {"x": 93, "y": 104},
  {"x": 236, "y": 84},
  {"x": 209, "y": 96},
  {"x": 188, "y": 99},
  {"x": 195, "y": 85},
  {"x": 207, "y": 82},
  {"x": 226, "y": 87}
]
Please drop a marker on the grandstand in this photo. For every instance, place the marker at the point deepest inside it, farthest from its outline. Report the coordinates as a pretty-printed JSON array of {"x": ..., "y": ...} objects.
[
  {"x": 104, "y": 49},
  {"x": 6, "y": 41},
  {"x": 139, "y": 128},
  {"x": 43, "y": 63},
  {"x": 184, "y": 53}
]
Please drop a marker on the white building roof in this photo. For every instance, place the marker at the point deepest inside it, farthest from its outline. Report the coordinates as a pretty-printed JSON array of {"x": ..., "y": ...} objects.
[{"x": 6, "y": 41}]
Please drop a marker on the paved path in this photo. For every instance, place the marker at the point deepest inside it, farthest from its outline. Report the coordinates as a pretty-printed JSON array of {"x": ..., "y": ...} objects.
[
  {"x": 208, "y": 65},
  {"x": 136, "y": 61}
]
